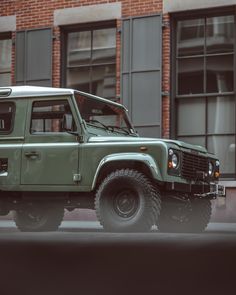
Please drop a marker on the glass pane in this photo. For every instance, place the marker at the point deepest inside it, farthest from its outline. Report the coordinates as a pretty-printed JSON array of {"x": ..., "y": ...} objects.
[
  {"x": 198, "y": 140},
  {"x": 190, "y": 76},
  {"x": 5, "y": 79},
  {"x": 51, "y": 116},
  {"x": 224, "y": 148},
  {"x": 104, "y": 81},
  {"x": 190, "y": 37},
  {"x": 95, "y": 112},
  {"x": 104, "y": 46},
  {"x": 220, "y": 34},
  {"x": 220, "y": 75},
  {"x": 221, "y": 115},
  {"x": 79, "y": 78},
  {"x": 191, "y": 116},
  {"x": 6, "y": 116},
  {"x": 79, "y": 48},
  {"x": 5, "y": 55}
]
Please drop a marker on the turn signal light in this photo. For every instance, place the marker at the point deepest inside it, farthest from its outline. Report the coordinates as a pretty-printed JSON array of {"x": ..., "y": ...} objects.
[
  {"x": 217, "y": 174},
  {"x": 170, "y": 165}
]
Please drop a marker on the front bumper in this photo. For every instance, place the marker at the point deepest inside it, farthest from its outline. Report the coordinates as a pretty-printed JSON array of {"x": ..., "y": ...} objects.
[{"x": 211, "y": 190}]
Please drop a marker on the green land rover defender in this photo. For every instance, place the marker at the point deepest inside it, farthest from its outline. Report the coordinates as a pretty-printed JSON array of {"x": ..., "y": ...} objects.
[{"x": 65, "y": 149}]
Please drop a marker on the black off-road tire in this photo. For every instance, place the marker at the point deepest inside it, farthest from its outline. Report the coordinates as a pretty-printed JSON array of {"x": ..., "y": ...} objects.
[
  {"x": 38, "y": 218},
  {"x": 192, "y": 216},
  {"x": 126, "y": 201}
]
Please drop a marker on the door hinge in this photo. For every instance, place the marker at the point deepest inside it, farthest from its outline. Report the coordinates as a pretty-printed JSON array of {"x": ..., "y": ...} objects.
[{"x": 77, "y": 177}]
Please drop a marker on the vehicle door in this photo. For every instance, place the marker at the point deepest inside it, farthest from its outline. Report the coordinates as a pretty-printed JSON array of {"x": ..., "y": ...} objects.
[
  {"x": 50, "y": 153},
  {"x": 12, "y": 126}
]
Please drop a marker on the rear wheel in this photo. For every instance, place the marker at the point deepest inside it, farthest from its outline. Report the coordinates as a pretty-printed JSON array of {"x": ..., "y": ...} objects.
[
  {"x": 35, "y": 218},
  {"x": 192, "y": 215},
  {"x": 127, "y": 201}
]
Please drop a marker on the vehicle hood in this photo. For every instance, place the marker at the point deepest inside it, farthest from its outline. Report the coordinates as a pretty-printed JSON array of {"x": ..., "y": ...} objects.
[{"x": 142, "y": 140}]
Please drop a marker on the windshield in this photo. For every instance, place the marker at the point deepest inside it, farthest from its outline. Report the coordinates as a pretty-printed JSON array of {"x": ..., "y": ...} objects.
[{"x": 103, "y": 115}]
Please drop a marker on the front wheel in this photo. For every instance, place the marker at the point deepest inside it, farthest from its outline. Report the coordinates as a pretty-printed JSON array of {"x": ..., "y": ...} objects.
[
  {"x": 192, "y": 215},
  {"x": 126, "y": 201},
  {"x": 36, "y": 218}
]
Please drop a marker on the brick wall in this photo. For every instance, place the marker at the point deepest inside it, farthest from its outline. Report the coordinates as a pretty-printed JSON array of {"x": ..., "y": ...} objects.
[
  {"x": 166, "y": 77},
  {"x": 31, "y": 14}
]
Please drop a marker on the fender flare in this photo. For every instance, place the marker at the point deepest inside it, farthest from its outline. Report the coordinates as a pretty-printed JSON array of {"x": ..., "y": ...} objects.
[{"x": 146, "y": 159}]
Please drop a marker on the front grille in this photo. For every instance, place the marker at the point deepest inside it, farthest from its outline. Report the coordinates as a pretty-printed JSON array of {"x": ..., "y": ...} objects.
[{"x": 191, "y": 164}]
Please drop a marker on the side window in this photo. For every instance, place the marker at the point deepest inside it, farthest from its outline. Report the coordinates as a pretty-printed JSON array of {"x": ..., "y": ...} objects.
[
  {"x": 7, "y": 111},
  {"x": 51, "y": 116}
]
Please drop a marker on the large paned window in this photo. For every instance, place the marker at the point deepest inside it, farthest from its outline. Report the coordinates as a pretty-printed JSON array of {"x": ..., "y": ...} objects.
[
  {"x": 204, "y": 85},
  {"x": 5, "y": 60},
  {"x": 91, "y": 60}
]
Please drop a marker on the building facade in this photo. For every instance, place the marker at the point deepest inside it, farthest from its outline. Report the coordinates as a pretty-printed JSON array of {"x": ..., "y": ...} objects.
[{"x": 171, "y": 62}]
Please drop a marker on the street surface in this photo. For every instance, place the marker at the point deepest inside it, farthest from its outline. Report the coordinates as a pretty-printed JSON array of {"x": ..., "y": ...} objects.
[{"x": 82, "y": 259}]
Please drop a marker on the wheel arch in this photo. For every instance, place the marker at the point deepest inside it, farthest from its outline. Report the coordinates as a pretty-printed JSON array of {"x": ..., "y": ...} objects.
[{"x": 141, "y": 162}]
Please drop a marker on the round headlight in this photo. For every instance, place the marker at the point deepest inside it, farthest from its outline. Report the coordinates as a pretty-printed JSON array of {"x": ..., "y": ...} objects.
[
  {"x": 175, "y": 161},
  {"x": 210, "y": 169}
]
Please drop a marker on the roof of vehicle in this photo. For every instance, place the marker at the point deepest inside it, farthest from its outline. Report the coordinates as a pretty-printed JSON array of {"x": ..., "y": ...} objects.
[
  {"x": 29, "y": 91},
  {"x": 38, "y": 91}
]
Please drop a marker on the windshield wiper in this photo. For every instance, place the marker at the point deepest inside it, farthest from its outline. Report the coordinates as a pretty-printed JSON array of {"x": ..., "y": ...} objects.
[
  {"x": 119, "y": 128},
  {"x": 96, "y": 121}
]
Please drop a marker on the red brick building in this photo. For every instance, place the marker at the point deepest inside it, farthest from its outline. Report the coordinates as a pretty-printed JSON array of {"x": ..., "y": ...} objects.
[{"x": 171, "y": 62}]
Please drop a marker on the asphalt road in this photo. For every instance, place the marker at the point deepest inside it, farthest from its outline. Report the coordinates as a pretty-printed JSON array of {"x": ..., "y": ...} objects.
[{"x": 82, "y": 259}]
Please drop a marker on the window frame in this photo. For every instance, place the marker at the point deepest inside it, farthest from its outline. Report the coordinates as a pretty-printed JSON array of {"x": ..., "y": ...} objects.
[
  {"x": 64, "y": 49},
  {"x": 175, "y": 97}
]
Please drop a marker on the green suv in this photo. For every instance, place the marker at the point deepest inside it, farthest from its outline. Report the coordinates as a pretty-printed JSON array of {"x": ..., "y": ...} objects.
[{"x": 65, "y": 149}]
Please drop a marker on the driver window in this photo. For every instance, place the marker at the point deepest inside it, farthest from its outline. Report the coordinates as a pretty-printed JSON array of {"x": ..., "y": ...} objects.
[{"x": 52, "y": 116}]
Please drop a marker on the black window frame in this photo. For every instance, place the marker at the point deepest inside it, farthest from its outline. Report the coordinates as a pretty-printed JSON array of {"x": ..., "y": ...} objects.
[
  {"x": 7, "y": 36},
  {"x": 196, "y": 14},
  {"x": 64, "y": 48}
]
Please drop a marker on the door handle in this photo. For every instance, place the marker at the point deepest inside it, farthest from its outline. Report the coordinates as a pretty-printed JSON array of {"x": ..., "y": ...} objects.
[{"x": 32, "y": 155}]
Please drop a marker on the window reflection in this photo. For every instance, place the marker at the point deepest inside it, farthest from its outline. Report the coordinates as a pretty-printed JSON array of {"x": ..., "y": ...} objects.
[
  {"x": 79, "y": 48},
  {"x": 79, "y": 78},
  {"x": 220, "y": 34},
  {"x": 190, "y": 35},
  {"x": 91, "y": 61},
  {"x": 5, "y": 62},
  {"x": 5, "y": 79},
  {"x": 104, "y": 46},
  {"x": 193, "y": 112},
  {"x": 220, "y": 75},
  {"x": 104, "y": 81},
  {"x": 190, "y": 75},
  {"x": 221, "y": 115}
]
